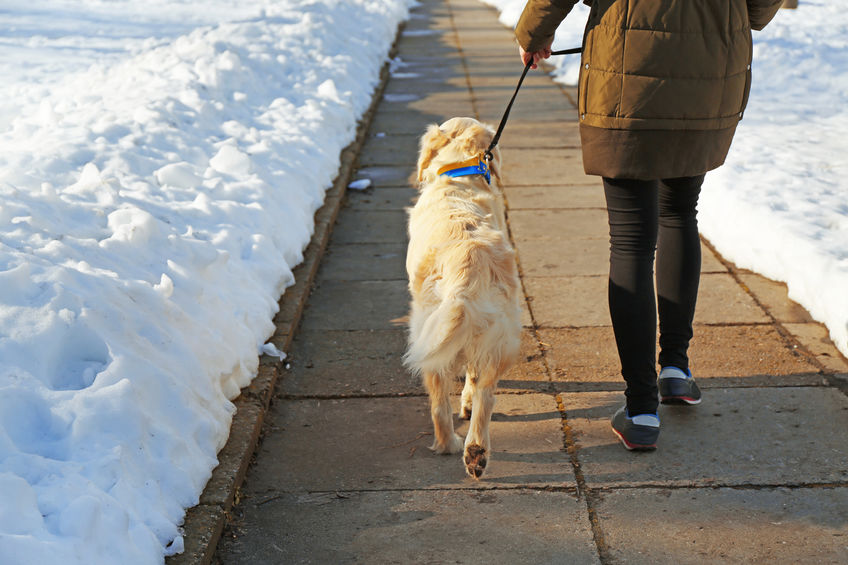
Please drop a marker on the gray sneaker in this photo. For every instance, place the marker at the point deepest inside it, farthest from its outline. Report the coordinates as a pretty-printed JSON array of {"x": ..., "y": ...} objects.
[
  {"x": 678, "y": 387},
  {"x": 638, "y": 433}
]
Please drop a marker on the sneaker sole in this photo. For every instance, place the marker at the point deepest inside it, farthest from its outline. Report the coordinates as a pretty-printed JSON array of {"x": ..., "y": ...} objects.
[
  {"x": 686, "y": 400},
  {"x": 633, "y": 446}
]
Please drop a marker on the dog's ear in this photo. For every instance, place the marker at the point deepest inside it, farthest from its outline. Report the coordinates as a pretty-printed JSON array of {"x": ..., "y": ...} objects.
[
  {"x": 475, "y": 139},
  {"x": 431, "y": 142}
]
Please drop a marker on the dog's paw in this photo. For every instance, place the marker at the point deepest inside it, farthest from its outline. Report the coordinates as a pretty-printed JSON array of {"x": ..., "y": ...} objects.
[
  {"x": 465, "y": 412},
  {"x": 447, "y": 448},
  {"x": 475, "y": 460}
]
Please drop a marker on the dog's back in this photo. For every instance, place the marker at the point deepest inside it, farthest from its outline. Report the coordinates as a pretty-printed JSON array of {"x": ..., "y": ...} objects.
[{"x": 463, "y": 280}]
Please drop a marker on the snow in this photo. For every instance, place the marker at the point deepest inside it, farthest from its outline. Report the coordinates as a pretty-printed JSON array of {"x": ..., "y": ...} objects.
[
  {"x": 360, "y": 184},
  {"x": 778, "y": 205},
  {"x": 160, "y": 164}
]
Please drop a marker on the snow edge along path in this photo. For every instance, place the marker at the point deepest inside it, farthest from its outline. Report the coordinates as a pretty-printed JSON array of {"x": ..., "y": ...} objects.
[
  {"x": 163, "y": 263},
  {"x": 777, "y": 206}
]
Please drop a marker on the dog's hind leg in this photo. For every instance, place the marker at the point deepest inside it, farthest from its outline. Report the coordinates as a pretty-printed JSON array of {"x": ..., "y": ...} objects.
[
  {"x": 446, "y": 441},
  {"x": 468, "y": 394},
  {"x": 477, "y": 445}
]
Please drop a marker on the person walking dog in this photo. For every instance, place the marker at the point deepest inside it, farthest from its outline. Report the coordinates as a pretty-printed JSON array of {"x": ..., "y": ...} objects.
[{"x": 663, "y": 84}]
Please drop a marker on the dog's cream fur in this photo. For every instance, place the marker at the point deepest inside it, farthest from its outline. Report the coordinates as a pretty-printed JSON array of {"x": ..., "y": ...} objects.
[{"x": 464, "y": 284}]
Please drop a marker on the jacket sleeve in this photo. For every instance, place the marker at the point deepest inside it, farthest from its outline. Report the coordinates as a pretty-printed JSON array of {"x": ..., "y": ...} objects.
[
  {"x": 760, "y": 12},
  {"x": 539, "y": 20}
]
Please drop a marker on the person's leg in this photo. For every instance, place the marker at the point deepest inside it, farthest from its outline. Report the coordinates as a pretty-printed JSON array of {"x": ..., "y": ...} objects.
[
  {"x": 678, "y": 267},
  {"x": 632, "y": 210}
]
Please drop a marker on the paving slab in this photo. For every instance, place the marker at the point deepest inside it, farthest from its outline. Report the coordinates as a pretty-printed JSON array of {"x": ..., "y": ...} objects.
[
  {"x": 348, "y": 362},
  {"x": 736, "y": 436},
  {"x": 544, "y": 134},
  {"x": 586, "y": 359},
  {"x": 370, "y": 226},
  {"x": 357, "y": 305},
  {"x": 721, "y": 300},
  {"x": 387, "y": 176},
  {"x": 411, "y": 123},
  {"x": 423, "y": 527},
  {"x": 369, "y": 362},
  {"x": 436, "y": 106},
  {"x": 433, "y": 52},
  {"x": 436, "y": 29},
  {"x": 382, "y": 443},
  {"x": 561, "y": 302},
  {"x": 422, "y": 18},
  {"x": 506, "y": 84},
  {"x": 496, "y": 56},
  {"x": 710, "y": 262},
  {"x": 400, "y": 150},
  {"x": 426, "y": 72},
  {"x": 774, "y": 297},
  {"x": 366, "y": 261},
  {"x": 534, "y": 104},
  {"x": 489, "y": 35},
  {"x": 571, "y": 256},
  {"x": 562, "y": 224},
  {"x": 433, "y": 82},
  {"x": 437, "y": 49},
  {"x": 541, "y": 166},
  {"x": 749, "y": 356},
  {"x": 816, "y": 339},
  {"x": 397, "y": 198},
  {"x": 554, "y": 197},
  {"x": 502, "y": 52},
  {"x": 569, "y": 90},
  {"x": 582, "y": 359},
  {"x": 563, "y": 257},
  {"x": 526, "y": 316},
  {"x": 676, "y": 527},
  {"x": 485, "y": 65},
  {"x": 530, "y": 373},
  {"x": 492, "y": 110}
]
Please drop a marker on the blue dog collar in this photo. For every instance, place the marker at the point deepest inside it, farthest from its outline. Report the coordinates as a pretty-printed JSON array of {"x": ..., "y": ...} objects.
[{"x": 474, "y": 166}]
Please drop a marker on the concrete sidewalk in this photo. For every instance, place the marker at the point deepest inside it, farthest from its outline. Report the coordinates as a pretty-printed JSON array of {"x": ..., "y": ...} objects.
[{"x": 757, "y": 473}]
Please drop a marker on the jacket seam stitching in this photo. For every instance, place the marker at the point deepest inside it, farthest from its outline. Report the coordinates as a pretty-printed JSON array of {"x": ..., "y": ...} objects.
[
  {"x": 623, "y": 59},
  {"x": 681, "y": 32},
  {"x": 652, "y": 118},
  {"x": 668, "y": 77}
]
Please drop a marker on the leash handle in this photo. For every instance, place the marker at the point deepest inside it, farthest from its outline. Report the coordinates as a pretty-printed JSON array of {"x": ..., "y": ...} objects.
[
  {"x": 571, "y": 51},
  {"x": 488, "y": 153}
]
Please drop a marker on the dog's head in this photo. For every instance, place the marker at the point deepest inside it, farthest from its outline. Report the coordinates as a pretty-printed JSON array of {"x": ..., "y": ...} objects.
[{"x": 455, "y": 141}]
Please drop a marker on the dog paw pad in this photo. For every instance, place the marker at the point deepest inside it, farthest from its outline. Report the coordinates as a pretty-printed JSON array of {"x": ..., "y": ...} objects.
[{"x": 475, "y": 460}]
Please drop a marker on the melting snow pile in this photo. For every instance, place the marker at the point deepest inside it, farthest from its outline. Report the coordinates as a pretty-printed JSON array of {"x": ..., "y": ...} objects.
[{"x": 160, "y": 164}]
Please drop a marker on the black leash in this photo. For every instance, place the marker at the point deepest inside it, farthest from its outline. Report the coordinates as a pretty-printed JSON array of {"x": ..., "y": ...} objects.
[{"x": 488, "y": 153}]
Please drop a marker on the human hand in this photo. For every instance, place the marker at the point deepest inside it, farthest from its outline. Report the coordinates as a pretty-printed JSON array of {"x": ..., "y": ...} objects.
[{"x": 536, "y": 56}]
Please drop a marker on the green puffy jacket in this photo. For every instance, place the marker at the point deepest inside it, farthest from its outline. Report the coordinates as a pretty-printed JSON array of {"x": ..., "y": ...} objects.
[{"x": 663, "y": 83}]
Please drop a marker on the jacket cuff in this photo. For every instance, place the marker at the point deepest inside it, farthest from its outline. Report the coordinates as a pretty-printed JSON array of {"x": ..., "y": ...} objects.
[
  {"x": 761, "y": 12},
  {"x": 539, "y": 21}
]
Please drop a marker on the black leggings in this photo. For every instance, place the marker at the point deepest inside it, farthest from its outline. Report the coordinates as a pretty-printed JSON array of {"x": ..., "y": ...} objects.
[{"x": 645, "y": 216}]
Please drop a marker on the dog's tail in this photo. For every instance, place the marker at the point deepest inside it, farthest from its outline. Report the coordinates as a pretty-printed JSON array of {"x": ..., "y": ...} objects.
[{"x": 441, "y": 339}]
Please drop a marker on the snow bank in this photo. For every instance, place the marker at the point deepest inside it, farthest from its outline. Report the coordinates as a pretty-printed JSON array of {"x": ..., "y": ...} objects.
[
  {"x": 778, "y": 206},
  {"x": 160, "y": 163}
]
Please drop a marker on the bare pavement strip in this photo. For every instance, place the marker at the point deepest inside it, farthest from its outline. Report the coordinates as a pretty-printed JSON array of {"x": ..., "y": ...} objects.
[{"x": 757, "y": 473}]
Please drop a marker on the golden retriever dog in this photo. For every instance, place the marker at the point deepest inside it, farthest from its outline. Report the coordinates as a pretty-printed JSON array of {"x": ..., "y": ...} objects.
[{"x": 463, "y": 278}]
